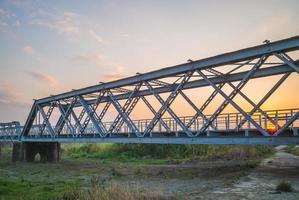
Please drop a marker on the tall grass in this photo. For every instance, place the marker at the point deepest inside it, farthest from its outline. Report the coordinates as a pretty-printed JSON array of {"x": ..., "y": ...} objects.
[
  {"x": 131, "y": 152},
  {"x": 110, "y": 191}
]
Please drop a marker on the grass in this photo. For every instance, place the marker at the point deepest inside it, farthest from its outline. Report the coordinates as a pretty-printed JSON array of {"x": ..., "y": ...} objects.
[
  {"x": 160, "y": 154},
  {"x": 24, "y": 189},
  {"x": 284, "y": 186},
  {"x": 293, "y": 150},
  {"x": 99, "y": 190}
]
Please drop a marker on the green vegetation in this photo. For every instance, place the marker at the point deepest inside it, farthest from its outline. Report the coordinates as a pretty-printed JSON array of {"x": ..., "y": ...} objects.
[
  {"x": 284, "y": 186},
  {"x": 99, "y": 190},
  {"x": 158, "y": 154},
  {"x": 24, "y": 189},
  {"x": 293, "y": 150}
]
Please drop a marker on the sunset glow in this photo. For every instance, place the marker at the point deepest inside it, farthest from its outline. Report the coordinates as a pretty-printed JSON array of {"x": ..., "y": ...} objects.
[{"x": 49, "y": 48}]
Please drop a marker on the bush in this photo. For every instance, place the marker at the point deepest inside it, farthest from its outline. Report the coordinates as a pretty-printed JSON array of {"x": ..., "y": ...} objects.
[
  {"x": 284, "y": 186},
  {"x": 134, "y": 152},
  {"x": 293, "y": 150}
]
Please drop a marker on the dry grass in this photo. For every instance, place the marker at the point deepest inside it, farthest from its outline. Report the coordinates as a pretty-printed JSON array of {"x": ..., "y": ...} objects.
[{"x": 100, "y": 190}]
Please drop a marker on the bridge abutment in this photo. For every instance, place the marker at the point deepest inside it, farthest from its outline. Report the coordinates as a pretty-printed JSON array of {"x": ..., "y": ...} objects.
[{"x": 28, "y": 151}]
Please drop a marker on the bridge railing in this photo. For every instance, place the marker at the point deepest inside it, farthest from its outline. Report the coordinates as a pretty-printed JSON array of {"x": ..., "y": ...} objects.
[
  {"x": 10, "y": 131},
  {"x": 226, "y": 123}
]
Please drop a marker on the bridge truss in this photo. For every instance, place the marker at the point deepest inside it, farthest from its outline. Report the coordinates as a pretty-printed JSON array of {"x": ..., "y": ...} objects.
[{"x": 79, "y": 114}]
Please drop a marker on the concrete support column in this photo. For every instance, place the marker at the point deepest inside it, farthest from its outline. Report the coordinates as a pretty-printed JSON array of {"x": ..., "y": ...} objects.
[
  {"x": 17, "y": 152},
  {"x": 27, "y": 151}
]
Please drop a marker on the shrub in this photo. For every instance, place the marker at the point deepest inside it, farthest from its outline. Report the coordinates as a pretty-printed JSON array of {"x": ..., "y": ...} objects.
[
  {"x": 133, "y": 152},
  {"x": 284, "y": 186}
]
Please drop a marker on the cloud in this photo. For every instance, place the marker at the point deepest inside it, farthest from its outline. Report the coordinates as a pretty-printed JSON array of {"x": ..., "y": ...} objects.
[
  {"x": 124, "y": 35},
  {"x": 28, "y": 50},
  {"x": 113, "y": 70},
  {"x": 66, "y": 22},
  {"x": 8, "y": 18},
  {"x": 21, "y": 2},
  {"x": 117, "y": 73},
  {"x": 43, "y": 78},
  {"x": 96, "y": 37},
  {"x": 6, "y": 14},
  {"x": 97, "y": 59},
  {"x": 9, "y": 95}
]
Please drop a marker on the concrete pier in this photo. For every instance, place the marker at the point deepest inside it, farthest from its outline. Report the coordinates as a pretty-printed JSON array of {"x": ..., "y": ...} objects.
[{"x": 28, "y": 151}]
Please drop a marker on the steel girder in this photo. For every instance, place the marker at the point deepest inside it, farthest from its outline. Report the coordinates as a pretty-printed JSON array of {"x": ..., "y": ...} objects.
[
  {"x": 191, "y": 75},
  {"x": 285, "y": 45}
]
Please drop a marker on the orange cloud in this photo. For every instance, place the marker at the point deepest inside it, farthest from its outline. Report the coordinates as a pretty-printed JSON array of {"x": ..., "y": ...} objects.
[
  {"x": 9, "y": 95},
  {"x": 28, "y": 50},
  {"x": 43, "y": 78}
]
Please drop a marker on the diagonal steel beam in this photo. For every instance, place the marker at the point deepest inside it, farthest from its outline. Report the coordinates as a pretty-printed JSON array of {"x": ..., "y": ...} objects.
[
  {"x": 260, "y": 73},
  {"x": 47, "y": 116},
  {"x": 77, "y": 122},
  {"x": 100, "y": 130},
  {"x": 205, "y": 105},
  {"x": 105, "y": 109},
  {"x": 125, "y": 107},
  {"x": 287, "y": 60},
  {"x": 198, "y": 111},
  {"x": 229, "y": 99},
  {"x": 60, "y": 123},
  {"x": 46, "y": 120},
  {"x": 65, "y": 117},
  {"x": 262, "y": 101},
  {"x": 256, "y": 108},
  {"x": 128, "y": 111},
  {"x": 287, "y": 124},
  {"x": 240, "y": 85},
  {"x": 285, "y": 45},
  {"x": 165, "y": 106},
  {"x": 124, "y": 115},
  {"x": 154, "y": 112},
  {"x": 93, "y": 111}
]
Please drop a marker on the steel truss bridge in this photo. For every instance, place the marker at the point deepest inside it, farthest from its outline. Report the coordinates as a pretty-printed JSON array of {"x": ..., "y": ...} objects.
[{"x": 78, "y": 115}]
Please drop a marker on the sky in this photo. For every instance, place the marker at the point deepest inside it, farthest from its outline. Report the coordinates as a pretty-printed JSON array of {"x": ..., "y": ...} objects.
[{"x": 49, "y": 47}]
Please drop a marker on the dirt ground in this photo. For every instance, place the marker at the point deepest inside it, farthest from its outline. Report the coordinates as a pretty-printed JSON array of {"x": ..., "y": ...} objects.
[
  {"x": 257, "y": 183},
  {"x": 226, "y": 180}
]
